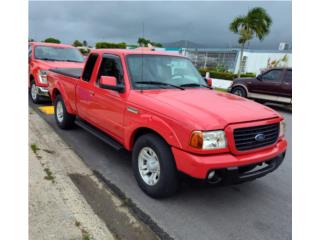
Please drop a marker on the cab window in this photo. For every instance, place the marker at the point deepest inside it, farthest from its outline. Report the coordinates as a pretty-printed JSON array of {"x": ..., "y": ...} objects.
[
  {"x": 88, "y": 69},
  {"x": 272, "y": 76},
  {"x": 111, "y": 66}
]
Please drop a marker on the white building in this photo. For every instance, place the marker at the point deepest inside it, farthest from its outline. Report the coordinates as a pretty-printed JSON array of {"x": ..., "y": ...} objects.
[{"x": 229, "y": 58}]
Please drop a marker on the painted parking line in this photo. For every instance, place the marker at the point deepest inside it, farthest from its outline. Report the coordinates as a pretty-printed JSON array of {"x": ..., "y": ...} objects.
[{"x": 49, "y": 110}]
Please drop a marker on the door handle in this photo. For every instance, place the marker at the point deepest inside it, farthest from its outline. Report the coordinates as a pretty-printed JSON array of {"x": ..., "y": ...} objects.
[{"x": 91, "y": 93}]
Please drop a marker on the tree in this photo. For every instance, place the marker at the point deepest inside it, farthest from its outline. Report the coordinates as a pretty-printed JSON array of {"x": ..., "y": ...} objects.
[
  {"x": 144, "y": 42},
  {"x": 84, "y": 43},
  {"x": 52, "y": 40},
  {"x": 256, "y": 23},
  {"x": 77, "y": 43}
]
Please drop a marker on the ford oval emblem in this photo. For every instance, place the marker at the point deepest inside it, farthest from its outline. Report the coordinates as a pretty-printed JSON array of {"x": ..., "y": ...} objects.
[{"x": 260, "y": 137}]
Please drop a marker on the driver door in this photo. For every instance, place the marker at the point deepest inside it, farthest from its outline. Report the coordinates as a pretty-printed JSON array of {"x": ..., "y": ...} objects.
[
  {"x": 269, "y": 82},
  {"x": 109, "y": 105}
]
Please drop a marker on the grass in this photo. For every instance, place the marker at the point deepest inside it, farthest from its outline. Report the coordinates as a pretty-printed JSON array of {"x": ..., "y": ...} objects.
[
  {"x": 34, "y": 148},
  {"x": 221, "y": 89},
  {"x": 49, "y": 176},
  {"x": 84, "y": 233}
]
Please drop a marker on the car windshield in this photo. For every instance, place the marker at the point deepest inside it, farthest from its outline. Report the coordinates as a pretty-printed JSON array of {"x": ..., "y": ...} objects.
[
  {"x": 58, "y": 54},
  {"x": 161, "y": 71}
]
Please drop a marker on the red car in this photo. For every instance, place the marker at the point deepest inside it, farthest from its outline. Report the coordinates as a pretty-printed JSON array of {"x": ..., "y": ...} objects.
[
  {"x": 43, "y": 56},
  {"x": 159, "y": 107}
]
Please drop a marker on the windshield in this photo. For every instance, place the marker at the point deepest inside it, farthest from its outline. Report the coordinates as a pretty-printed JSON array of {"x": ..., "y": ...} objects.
[
  {"x": 58, "y": 54},
  {"x": 160, "y": 71}
]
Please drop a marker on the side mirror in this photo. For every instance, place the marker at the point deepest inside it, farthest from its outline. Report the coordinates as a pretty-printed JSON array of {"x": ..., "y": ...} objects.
[
  {"x": 259, "y": 77},
  {"x": 109, "y": 82}
]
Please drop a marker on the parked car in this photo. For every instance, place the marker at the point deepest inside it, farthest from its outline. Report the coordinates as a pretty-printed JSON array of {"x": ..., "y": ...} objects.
[
  {"x": 158, "y": 107},
  {"x": 43, "y": 56},
  {"x": 274, "y": 85}
]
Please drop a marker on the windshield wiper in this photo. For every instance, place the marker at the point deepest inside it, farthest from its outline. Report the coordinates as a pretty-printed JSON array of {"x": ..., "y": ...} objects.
[
  {"x": 160, "y": 83},
  {"x": 195, "y": 85},
  {"x": 47, "y": 59}
]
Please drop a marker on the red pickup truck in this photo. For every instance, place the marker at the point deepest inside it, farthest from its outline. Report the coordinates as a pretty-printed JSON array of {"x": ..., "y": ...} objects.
[
  {"x": 43, "y": 56},
  {"x": 159, "y": 107}
]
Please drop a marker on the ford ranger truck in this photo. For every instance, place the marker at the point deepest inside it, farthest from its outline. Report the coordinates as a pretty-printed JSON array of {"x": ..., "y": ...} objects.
[
  {"x": 43, "y": 56},
  {"x": 158, "y": 107}
]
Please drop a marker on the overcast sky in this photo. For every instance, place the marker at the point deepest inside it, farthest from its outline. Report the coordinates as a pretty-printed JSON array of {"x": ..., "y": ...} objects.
[{"x": 201, "y": 22}]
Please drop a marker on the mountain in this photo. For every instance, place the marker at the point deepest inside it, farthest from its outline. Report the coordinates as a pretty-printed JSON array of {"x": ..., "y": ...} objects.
[{"x": 183, "y": 44}]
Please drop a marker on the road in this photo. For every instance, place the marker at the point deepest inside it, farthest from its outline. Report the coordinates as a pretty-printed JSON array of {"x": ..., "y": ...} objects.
[{"x": 258, "y": 210}]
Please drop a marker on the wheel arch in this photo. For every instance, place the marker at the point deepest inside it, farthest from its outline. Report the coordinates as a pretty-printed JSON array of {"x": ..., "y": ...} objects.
[{"x": 242, "y": 86}]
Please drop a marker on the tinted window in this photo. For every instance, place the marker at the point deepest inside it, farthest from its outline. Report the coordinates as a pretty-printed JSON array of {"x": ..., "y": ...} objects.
[
  {"x": 273, "y": 75},
  {"x": 58, "y": 54},
  {"x": 288, "y": 77},
  {"x": 89, "y": 67},
  {"x": 111, "y": 66}
]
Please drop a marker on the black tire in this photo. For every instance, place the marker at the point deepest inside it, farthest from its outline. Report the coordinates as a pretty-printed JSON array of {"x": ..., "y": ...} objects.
[
  {"x": 240, "y": 91},
  {"x": 35, "y": 98},
  {"x": 168, "y": 181},
  {"x": 66, "y": 121}
]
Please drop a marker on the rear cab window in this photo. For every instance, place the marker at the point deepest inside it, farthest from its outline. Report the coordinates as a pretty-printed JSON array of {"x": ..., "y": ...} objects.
[
  {"x": 288, "y": 76},
  {"x": 89, "y": 66}
]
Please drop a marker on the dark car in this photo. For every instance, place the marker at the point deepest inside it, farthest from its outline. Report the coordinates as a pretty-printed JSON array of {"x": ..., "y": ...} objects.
[{"x": 274, "y": 85}]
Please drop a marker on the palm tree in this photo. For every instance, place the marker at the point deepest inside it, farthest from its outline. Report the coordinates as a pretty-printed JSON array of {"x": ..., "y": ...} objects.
[{"x": 256, "y": 23}]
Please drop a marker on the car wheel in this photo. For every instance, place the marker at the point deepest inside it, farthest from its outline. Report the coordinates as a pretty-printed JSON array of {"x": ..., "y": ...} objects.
[
  {"x": 34, "y": 93},
  {"x": 154, "y": 166},
  {"x": 63, "y": 118},
  {"x": 240, "y": 91}
]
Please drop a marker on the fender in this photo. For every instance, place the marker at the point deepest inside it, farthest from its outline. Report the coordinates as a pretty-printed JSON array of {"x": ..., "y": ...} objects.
[
  {"x": 149, "y": 122},
  {"x": 241, "y": 85},
  {"x": 65, "y": 98}
]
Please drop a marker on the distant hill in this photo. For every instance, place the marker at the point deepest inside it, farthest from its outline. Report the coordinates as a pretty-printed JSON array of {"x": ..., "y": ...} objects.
[{"x": 183, "y": 44}]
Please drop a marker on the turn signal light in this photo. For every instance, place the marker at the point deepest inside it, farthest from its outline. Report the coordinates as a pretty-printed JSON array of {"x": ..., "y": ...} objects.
[{"x": 196, "y": 139}]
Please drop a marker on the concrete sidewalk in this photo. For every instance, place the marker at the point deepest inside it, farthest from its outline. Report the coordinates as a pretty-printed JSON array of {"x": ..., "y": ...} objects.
[{"x": 57, "y": 210}]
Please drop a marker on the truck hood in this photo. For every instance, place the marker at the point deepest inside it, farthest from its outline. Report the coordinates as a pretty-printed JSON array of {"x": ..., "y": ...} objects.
[
  {"x": 45, "y": 65},
  {"x": 209, "y": 109}
]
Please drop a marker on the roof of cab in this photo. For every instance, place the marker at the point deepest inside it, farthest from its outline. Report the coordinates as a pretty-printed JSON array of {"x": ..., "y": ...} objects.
[
  {"x": 51, "y": 44},
  {"x": 133, "y": 51}
]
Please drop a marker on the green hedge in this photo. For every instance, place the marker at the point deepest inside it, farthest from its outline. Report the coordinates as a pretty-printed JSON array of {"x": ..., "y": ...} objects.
[
  {"x": 110, "y": 45},
  {"x": 224, "y": 75}
]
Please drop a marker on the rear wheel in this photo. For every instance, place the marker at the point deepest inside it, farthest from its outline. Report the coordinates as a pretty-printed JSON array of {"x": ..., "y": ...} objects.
[
  {"x": 154, "y": 166},
  {"x": 240, "y": 91},
  {"x": 63, "y": 118},
  {"x": 34, "y": 92}
]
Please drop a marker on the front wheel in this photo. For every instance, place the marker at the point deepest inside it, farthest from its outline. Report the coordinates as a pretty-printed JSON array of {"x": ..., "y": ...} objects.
[
  {"x": 154, "y": 166},
  {"x": 240, "y": 91},
  {"x": 34, "y": 92},
  {"x": 63, "y": 118}
]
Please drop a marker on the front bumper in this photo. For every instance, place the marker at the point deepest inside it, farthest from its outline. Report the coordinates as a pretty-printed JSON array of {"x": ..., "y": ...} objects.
[
  {"x": 199, "y": 166},
  {"x": 42, "y": 91}
]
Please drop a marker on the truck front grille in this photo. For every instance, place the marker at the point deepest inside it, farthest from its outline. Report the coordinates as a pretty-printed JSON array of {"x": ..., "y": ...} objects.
[{"x": 255, "y": 137}]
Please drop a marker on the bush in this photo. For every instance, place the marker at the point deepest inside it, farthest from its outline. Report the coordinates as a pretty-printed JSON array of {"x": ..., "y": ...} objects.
[
  {"x": 223, "y": 75},
  {"x": 110, "y": 45},
  {"x": 51, "y": 40}
]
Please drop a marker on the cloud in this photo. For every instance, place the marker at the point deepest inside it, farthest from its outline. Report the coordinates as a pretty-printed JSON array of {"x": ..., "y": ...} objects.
[{"x": 202, "y": 22}]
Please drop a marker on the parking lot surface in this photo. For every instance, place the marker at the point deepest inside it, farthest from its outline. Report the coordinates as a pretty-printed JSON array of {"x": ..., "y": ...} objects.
[{"x": 256, "y": 210}]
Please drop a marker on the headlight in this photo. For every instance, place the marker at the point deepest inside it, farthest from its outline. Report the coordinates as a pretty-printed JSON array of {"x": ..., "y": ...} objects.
[
  {"x": 282, "y": 129},
  {"x": 208, "y": 140},
  {"x": 43, "y": 76}
]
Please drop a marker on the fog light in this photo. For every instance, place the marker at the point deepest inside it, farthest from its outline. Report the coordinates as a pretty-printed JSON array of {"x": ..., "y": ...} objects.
[{"x": 211, "y": 174}]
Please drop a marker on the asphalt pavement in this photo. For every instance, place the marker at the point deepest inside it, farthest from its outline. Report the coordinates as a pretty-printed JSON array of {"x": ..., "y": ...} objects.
[{"x": 258, "y": 210}]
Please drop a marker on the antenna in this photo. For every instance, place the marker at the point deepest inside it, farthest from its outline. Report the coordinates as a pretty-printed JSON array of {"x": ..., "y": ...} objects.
[{"x": 142, "y": 47}]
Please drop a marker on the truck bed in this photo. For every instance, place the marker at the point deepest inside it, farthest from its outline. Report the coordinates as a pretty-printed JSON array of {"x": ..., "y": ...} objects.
[{"x": 70, "y": 72}]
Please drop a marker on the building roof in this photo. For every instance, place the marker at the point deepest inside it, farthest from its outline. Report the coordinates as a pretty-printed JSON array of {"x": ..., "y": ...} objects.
[{"x": 237, "y": 50}]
